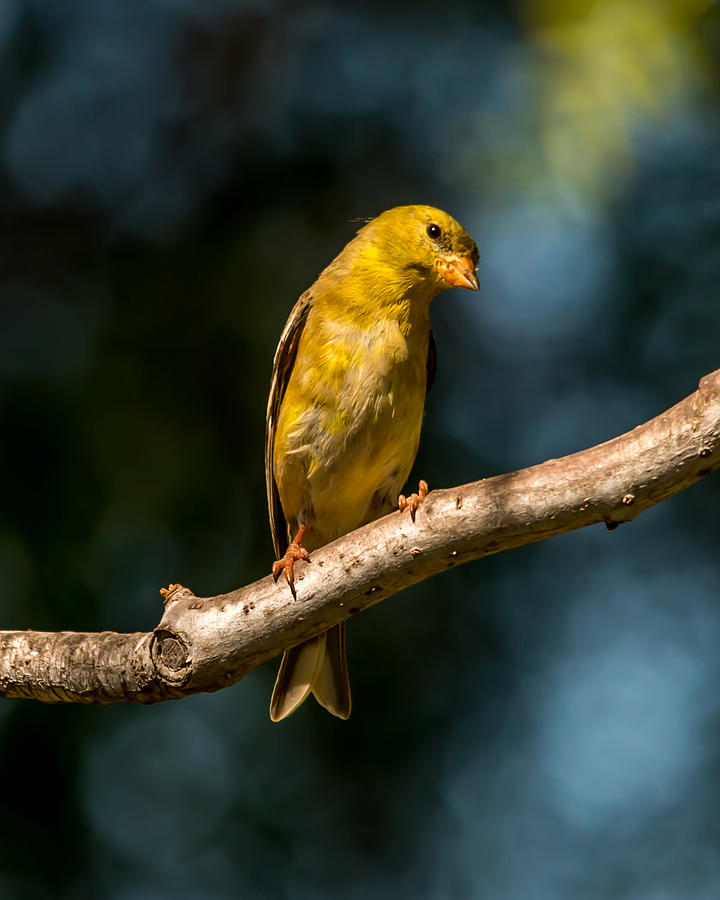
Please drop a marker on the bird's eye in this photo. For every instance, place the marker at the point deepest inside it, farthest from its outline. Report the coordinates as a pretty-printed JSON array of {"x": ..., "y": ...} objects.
[{"x": 433, "y": 231}]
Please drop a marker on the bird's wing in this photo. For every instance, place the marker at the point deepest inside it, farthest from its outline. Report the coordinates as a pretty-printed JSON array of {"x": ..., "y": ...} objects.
[
  {"x": 431, "y": 362},
  {"x": 282, "y": 369}
]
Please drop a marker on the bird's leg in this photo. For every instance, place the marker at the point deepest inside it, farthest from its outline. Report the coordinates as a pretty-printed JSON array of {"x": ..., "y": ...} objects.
[
  {"x": 294, "y": 552},
  {"x": 414, "y": 500}
]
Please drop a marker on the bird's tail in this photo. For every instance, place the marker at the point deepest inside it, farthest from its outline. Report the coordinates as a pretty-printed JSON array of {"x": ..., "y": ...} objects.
[{"x": 318, "y": 665}]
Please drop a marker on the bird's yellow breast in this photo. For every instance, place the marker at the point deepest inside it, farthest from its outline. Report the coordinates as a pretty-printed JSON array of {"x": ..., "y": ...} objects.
[{"x": 349, "y": 424}]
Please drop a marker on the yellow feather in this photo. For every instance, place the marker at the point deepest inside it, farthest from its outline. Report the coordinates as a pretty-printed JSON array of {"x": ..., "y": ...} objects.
[{"x": 349, "y": 422}]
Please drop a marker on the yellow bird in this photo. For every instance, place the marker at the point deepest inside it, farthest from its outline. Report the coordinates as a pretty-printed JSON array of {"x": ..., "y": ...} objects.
[{"x": 351, "y": 372}]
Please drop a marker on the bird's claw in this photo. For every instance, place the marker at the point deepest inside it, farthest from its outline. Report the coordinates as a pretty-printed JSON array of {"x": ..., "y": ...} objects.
[
  {"x": 170, "y": 589},
  {"x": 294, "y": 552},
  {"x": 414, "y": 500}
]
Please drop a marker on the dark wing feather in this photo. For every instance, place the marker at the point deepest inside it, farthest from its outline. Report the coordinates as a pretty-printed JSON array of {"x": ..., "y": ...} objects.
[
  {"x": 431, "y": 362},
  {"x": 282, "y": 369}
]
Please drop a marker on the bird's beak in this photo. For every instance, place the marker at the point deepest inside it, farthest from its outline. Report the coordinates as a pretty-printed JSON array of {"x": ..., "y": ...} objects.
[{"x": 458, "y": 271}]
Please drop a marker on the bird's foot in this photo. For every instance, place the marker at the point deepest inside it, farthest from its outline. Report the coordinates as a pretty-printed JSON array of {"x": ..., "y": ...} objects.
[
  {"x": 293, "y": 553},
  {"x": 414, "y": 500},
  {"x": 170, "y": 589}
]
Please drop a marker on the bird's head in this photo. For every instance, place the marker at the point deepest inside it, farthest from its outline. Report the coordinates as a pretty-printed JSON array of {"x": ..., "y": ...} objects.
[{"x": 427, "y": 245}]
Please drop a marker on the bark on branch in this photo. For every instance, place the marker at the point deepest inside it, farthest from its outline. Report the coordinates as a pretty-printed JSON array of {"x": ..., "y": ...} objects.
[{"x": 204, "y": 644}]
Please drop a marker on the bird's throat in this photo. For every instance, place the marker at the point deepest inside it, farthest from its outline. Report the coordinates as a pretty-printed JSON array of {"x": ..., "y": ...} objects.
[{"x": 382, "y": 293}]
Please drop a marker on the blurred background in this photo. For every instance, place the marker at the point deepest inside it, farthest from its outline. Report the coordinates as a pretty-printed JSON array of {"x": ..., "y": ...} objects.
[{"x": 173, "y": 174}]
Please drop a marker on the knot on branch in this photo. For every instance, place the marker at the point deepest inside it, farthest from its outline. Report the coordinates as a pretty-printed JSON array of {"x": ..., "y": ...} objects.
[
  {"x": 171, "y": 655},
  {"x": 710, "y": 383}
]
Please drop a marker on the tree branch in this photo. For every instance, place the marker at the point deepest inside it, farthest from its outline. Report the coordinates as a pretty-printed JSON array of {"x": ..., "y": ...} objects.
[{"x": 204, "y": 644}]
